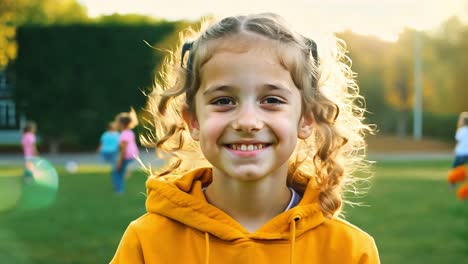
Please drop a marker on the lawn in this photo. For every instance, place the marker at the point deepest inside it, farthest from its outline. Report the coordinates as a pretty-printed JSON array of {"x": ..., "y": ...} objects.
[{"x": 411, "y": 213}]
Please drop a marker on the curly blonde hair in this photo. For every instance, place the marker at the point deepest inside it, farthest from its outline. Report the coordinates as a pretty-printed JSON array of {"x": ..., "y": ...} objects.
[{"x": 329, "y": 157}]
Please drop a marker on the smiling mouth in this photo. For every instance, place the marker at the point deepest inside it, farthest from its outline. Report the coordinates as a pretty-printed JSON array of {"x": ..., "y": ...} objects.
[{"x": 246, "y": 147}]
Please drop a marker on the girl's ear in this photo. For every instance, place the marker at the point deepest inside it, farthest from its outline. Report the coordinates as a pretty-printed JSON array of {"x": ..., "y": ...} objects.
[
  {"x": 192, "y": 122},
  {"x": 305, "y": 125}
]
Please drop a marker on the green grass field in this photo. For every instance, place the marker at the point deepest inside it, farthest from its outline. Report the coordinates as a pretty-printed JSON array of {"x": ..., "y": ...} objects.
[{"x": 411, "y": 213}]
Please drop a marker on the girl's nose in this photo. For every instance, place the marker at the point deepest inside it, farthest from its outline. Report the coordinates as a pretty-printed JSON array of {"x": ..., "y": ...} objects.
[{"x": 247, "y": 119}]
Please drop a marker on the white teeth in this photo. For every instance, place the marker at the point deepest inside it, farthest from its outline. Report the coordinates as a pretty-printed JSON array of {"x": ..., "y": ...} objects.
[{"x": 246, "y": 147}]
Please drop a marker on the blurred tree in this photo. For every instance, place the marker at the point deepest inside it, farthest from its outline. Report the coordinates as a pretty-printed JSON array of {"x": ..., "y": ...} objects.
[
  {"x": 445, "y": 81},
  {"x": 398, "y": 79},
  {"x": 46, "y": 12},
  {"x": 7, "y": 31},
  {"x": 14, "y": 13},
  {"x": 364, "y": 52},
  {"x": 385, "y": 77},
  {"x": 453, "y": 51},
  {"x": 128, "y": 19}
]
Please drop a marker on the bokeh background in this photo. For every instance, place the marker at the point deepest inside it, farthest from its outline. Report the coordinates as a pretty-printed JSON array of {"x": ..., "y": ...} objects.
[{"x": 72, "y": 65}]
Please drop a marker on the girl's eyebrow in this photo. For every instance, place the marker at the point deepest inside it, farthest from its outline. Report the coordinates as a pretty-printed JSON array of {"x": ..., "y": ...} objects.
[
  {"x": 216, "y": 88},
  {"x": 277, "y": 87},
  {"x": 225, "y": 88}
]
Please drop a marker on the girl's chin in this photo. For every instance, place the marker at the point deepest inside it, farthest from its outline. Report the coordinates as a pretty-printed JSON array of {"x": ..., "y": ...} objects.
[{"x": 244, "y": 174}]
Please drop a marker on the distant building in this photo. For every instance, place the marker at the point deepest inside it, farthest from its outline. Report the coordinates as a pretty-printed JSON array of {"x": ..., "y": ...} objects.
[{"x": 10, "y": 122}]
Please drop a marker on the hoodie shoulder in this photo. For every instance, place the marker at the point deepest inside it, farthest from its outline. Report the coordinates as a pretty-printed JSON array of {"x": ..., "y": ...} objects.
[
  {"x": 352, "y": 229},
  {"x": 144, "y": 231},
  {"x": 148, "y": 222},
  {"x": 130, "y": 248},
  {"x": 362, "y": 243},
  {"x": 354, "y": 233}
]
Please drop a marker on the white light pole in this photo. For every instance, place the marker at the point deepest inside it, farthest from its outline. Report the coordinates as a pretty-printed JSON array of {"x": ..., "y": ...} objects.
[{"x": 417, "y": 105}]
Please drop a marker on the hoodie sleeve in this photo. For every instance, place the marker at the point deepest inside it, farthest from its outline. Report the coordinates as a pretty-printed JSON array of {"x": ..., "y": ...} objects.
[
  {"x": 129, "y": 250},
  {"x": 370, "y": 254}
]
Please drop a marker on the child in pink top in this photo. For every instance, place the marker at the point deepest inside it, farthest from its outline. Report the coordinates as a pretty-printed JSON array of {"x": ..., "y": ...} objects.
[
  {"x": 128, "y": 143},
  {"x": 28, "y": 141},
  {"x": 128, "y": 148}
]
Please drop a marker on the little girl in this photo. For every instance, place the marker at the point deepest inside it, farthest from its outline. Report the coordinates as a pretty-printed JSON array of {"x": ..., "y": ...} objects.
[
  {"x": 28, "y": 142},
  {"x": 458, "y": 173},
  {"x": 270, "y": 139},
  {"x": 109, "y": 144},
  {"x": 128, "y": 149}
]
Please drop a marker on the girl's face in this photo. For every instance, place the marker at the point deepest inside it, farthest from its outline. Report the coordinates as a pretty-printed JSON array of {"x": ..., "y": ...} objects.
[{"x": 248, "y": 113}]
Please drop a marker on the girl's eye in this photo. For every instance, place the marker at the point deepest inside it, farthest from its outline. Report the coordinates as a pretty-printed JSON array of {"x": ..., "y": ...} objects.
[
  {"x": 272, "y": 100},
  {"x": 222, "y": 101}
]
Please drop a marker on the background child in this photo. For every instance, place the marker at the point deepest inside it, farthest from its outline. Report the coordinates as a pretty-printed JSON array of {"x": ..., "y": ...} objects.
[
  {"x": 458, "y": 172},
  {"x": 273, "y": 133},
  {"x": 109, "y": 148},
  {"x": 28, "y": 142},
  {"x": 109, "y": 144},
  {"x": 128, "y": 149},
  {"x": 461, "y": 150}
]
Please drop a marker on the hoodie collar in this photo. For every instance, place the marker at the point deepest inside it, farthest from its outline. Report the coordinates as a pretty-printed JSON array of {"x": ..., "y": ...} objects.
[{"x": 183, "y": 200}]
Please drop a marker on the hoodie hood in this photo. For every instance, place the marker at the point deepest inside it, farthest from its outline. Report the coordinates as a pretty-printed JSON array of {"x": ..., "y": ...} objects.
[{"x": 183, "y": 200}]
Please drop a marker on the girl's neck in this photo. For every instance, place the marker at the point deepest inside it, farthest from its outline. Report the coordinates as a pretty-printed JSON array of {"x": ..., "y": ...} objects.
[{"x": 251, "y": 203}]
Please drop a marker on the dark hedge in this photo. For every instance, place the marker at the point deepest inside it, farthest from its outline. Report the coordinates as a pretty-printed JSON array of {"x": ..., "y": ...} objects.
[{"x": 72, "y": 80}]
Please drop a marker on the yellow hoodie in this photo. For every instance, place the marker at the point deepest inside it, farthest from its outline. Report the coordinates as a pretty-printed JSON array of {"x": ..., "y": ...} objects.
[{"x": 182, "y": 227}]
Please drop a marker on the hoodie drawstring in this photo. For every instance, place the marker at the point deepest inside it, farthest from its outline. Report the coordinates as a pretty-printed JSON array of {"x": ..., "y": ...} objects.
[
  {"x": 292, "y": 238},
  {"x": 207, "y": 248}
]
